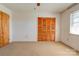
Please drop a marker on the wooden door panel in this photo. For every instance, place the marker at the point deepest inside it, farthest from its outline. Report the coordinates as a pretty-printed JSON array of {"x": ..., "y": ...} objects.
[
  {"x": 47, "y": 24},
  {"x": 46, "y": 29},
  {"x": 5, "y": 28},
  {"x": 1, "y": 41}
]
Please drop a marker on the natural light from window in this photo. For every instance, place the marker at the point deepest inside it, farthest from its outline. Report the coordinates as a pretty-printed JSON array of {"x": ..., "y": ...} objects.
[{"x": 74, "y": 23}]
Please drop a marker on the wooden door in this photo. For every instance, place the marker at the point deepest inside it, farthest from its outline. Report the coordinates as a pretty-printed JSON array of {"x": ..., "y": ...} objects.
[
  {"x": 46, "y": 29},
  {"x": 52, "y": 29},
  {"x": 40, "y": 29},
  {"x": 5, "y": 28},
  {"x": 1, "y": 41}
]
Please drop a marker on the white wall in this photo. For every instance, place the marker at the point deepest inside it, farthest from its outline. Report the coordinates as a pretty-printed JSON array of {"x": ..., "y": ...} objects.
[
  {"x": 25, "y": 25},
  {"x": 66, "y": 37},
  {"x": 6, "y": 10}
]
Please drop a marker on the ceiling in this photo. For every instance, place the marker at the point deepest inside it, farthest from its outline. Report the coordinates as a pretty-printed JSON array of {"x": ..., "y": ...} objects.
[{"x": 44, "y": 7}]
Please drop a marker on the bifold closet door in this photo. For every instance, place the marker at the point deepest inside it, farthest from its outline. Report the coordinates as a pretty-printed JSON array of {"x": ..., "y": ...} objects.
[
  {"x": 46, "y": 29},
  {"x": 1, "y": 40},
  {"x": 52, "y": 28},
  {"x": 5, "y": 28},
  {"x": 40, "y": 29}
]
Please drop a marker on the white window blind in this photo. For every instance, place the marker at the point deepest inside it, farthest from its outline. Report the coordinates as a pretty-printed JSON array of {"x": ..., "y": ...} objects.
[{"x": 74, "y": 23}]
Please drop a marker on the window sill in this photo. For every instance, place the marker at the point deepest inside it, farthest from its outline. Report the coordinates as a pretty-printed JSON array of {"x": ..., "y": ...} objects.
[{"x": 74, "y": 34}]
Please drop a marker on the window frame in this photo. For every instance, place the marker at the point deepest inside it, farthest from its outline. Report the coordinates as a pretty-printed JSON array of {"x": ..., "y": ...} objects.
[{"x": 72, "y": 22}]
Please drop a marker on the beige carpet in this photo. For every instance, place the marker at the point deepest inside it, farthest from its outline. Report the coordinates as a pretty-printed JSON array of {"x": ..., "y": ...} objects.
[{"x": 36, "y": 49}]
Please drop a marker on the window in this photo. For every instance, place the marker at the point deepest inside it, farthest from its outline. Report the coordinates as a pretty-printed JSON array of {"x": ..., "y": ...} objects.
[{"x": 74, "y": 23}]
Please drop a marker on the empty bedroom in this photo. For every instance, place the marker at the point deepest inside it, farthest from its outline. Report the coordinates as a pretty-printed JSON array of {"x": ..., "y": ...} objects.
[{"x": 39, "y": 29}]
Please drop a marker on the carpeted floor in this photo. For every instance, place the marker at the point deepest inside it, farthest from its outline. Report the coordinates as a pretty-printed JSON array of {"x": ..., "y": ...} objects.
[{"x": 37, "y": 49}]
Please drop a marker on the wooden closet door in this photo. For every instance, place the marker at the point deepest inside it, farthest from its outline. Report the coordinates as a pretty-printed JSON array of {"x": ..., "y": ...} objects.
[
  {"x": 1, "y": 41},
  {"x": 52, "y": 29},
  {"x": 5, "y": 28},
  {"x": 40, "y": 28},
  {"x": 46, "y": 29}
]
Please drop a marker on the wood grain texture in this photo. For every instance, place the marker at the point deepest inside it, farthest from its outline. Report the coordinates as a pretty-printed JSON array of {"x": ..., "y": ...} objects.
[
  {"x": 4, "y": 29},
  {"x": 46, "y": 29},
  {"x": 5, "y": 25},
  {"x": 1, "y": 41}
]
